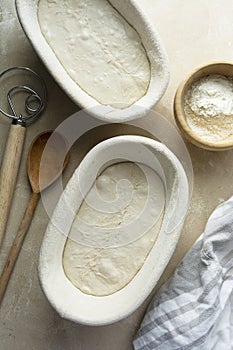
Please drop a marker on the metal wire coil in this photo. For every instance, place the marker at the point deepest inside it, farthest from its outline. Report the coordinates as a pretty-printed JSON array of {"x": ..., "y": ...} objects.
[{"x": 34, "y": 96}]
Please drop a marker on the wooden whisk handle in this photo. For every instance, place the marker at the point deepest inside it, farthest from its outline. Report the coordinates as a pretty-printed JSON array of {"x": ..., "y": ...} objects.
[{"x": 9, "y": 171}]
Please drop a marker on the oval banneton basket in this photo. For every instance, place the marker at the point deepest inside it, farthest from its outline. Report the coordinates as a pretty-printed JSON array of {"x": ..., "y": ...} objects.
[
  {"x": 70, "y": 302},
  {"x": 130, "y": 10}
]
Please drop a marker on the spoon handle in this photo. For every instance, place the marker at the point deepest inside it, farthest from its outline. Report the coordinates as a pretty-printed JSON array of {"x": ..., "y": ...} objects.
[
  {"x": 9, "y": 171},
  {"x": 17, "y": 244}
]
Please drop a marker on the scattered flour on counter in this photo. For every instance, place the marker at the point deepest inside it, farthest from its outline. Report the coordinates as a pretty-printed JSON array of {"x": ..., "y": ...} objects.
[{"x": 209, "y": 107}]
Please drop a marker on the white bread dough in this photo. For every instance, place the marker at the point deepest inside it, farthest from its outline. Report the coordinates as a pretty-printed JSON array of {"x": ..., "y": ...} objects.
[
  {"x": 102, "y": 271},
  {"x": 98, "y": 48}
]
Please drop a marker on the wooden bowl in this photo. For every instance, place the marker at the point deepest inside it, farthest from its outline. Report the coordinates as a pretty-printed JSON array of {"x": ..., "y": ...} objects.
[{"x": 222, "y": 68}]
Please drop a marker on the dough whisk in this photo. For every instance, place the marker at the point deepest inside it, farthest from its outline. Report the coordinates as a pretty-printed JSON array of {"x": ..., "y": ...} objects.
[{"x": 34, "y": 104}]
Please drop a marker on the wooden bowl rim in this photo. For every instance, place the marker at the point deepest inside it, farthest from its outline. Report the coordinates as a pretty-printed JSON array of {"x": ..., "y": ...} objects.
[{"x": 180, "y": 115}]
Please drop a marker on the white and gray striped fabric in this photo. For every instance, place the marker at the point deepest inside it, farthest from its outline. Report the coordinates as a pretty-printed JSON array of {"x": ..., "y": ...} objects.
[{"x": 194, "y": 310}]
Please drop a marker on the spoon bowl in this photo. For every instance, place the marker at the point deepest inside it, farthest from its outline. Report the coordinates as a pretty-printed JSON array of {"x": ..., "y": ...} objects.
[{"x": 41, "y": 177}]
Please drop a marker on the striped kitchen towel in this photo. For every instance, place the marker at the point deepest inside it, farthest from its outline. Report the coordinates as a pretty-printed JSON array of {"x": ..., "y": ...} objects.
[{"x": 194, "y": 310}]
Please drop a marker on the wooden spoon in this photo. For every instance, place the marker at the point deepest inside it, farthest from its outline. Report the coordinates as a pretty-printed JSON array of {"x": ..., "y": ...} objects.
[{"x": 40, "y": 178}]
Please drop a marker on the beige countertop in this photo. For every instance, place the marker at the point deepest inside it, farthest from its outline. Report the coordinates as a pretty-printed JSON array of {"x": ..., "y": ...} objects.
[{"x": 194, "y": 33}]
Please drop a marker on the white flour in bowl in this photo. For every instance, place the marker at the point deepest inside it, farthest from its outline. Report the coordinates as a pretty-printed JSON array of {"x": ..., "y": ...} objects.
[{"x": 208, "y": 107}]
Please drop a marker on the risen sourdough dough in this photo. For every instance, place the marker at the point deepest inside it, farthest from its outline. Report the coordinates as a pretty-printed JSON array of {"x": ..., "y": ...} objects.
[
  {"x": 103, "y": 271},
  {"x": 98, "y": 48}
]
